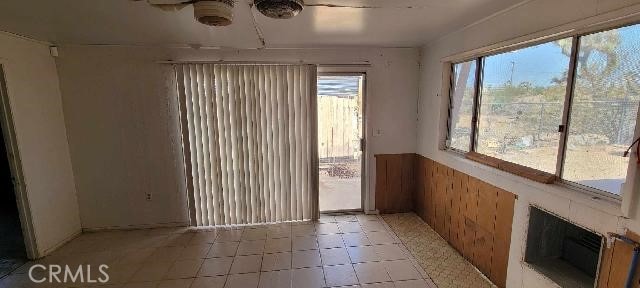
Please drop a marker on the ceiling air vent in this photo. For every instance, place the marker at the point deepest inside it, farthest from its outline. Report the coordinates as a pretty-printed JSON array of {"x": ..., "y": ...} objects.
[
  {"x": 279, "y": 9},
  {"x": 214, "y": 12}
]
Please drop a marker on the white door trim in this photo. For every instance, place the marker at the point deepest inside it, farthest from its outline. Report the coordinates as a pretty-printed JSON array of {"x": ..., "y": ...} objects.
[{"x": 13, "y": 156}]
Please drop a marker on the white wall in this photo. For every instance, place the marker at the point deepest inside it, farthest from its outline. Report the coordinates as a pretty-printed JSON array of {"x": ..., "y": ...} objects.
[
  {"x": 124, "y": 136},
  {"x": 527, "y": 19},
  {"x": 34, "y": 96}
]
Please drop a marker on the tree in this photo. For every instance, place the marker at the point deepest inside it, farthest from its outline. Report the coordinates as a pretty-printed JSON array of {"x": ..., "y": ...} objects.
[{"x": 597, "y": 62}]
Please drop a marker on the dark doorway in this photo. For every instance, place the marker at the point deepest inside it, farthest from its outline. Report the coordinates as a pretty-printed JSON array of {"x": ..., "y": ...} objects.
[{"x": 12, "y": 250}]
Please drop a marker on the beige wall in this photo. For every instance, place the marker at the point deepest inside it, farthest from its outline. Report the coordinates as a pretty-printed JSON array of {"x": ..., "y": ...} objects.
[
  {"x": 530, "y": 18},
  {"x": 34, "y": 96},
  {"x": 124, "y": 136}
]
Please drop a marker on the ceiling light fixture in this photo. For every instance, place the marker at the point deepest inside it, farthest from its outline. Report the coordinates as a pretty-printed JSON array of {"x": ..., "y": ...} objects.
[
  {"x": 279, "y": 9},
  {"x": 214, "y": 12}
]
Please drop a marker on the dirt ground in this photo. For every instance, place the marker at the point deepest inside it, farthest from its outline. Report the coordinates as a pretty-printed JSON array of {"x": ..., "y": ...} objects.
[
  {"x": 586, "y": 165},
  {"x": 340, "y": 193}
]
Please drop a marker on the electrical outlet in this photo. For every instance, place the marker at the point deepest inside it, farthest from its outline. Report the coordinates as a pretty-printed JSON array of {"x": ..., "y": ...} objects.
[{"x": 149, "y": 196}]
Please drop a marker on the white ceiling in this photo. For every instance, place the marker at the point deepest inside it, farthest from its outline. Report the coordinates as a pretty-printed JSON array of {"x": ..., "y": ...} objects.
[{"x": 394, "y": 23}]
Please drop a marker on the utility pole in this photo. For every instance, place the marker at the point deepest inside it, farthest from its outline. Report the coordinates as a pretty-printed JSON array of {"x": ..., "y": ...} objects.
[{"x": 513, "y": 68}]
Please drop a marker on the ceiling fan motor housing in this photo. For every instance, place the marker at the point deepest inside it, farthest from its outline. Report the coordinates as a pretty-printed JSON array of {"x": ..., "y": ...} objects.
[
  {"x": 279, "y": 9},
  {"x": 214, "y": 12}
]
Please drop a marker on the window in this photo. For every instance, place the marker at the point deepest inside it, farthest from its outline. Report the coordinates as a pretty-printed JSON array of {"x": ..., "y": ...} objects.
[
  {"x": 521, "y": 106},
  {"x": 519, "y": 97},
  {"x": 462, "y": 92}
]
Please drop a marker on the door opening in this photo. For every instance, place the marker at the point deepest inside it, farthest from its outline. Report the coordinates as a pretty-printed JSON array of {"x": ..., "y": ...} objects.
[
  {"x": 12, "y": 246},
  {"x": 341, "y": 141}
]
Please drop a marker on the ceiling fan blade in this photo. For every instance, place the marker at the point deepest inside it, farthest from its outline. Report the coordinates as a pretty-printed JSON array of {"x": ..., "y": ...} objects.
[{"x": 168, "y": 5}]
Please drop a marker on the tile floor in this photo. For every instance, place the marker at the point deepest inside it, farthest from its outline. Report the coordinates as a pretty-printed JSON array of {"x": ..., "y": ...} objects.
[
  {"x": 337, "y": 251},
  {"x": 12, "y": 251},
  {"x": 446, "y": 267}
]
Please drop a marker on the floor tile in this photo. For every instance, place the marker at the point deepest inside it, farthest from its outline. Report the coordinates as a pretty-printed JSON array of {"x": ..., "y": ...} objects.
[
  {"x": 254, "y": 234},
  {"x": 380, "y": 237},
  {"x": 203, "y": 238},
  {"x": 350, "y": 227},
  {"x": 151, "y": 271},
  {"x": 199, "y": 251},
  {"x": 340, "y": 275},
  {"x": 303, "y": 230},
  {"x": 153, "y": 284},
  {"x": 184, "y": 269},
  {"x": 178, "y": 239},
  {"x": 324, "y": 218},
  {"x": 372, "y": 226},
  {"x": 276, "y": 261},
  {"x": 202, "y": 257},
  {"x": 401, "y": 270},
  {"x": 277, "y": 245},
  {"x": 390, "y": 252},
  {"x": 379, "y": 285},
  {"x": 224, "y": 249},
  {"x": 327, "y": 228},
  {"x": 229, "y": 236},
  {"x": 253, "y": 247},
  {"x": 275, "y": 279},
  {"x": 330, "y": 241},
  {"x": 362, "y": 254},
  {"x": 165, "y": 254},
  {"x": 246, "y": 264},
  {"x": 334, "y": 256},
  {"x": 209, "y": 282},
  {"x": 412, "y": 284},
  {"x": 249, "y": 280},
  {"x": 445, "y": 266},
  {"x": 307, "y": 278},
  {"x": 305, "y": 243},
  {"x": 122, "y": 273},
  {"x": 365, "y": 217},
  {"x": 345, "y": 218},
  {"x": 215, "y": 266},
  {"x": 355, "y": 239},
  {"x": 282, "y": 232},
  {"x": 177, "y": 283},
  {"x": 371, "y": 272},
  {"x": 307, "y": 258}
]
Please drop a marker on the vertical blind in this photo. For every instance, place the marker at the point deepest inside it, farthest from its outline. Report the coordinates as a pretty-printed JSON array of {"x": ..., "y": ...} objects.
[{"x": 250, "y": 150}]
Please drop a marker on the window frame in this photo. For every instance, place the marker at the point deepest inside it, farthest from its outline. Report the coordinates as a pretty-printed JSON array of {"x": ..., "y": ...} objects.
[{"x": 575, "y": 36}]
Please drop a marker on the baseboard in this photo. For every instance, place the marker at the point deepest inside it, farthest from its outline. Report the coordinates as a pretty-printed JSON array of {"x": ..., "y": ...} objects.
[
  {"x": 48, "y": 251},
  {"x": 134, "y": 227}
]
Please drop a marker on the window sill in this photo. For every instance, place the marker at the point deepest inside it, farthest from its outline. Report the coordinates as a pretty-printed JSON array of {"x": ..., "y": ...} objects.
[
  {"x": 607, "y": 205},
  {"x": 519, "y": 170}
]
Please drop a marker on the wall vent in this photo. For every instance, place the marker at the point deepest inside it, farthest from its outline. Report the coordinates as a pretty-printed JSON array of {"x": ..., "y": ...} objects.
[{"x": 562, "y": 251}]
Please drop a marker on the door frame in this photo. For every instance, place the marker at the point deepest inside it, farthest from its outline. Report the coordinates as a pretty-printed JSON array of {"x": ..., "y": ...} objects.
[
  {"x": 364, "y": 179},
  {"x": 15, "y": 166}
]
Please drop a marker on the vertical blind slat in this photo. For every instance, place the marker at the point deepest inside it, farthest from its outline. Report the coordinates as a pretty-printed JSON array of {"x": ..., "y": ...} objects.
[{"x": 252, "y": 142}]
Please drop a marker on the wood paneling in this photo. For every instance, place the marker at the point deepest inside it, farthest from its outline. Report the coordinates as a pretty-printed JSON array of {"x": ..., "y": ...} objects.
[
  {"x": 473, "y": 216},
  {"x": 615, "y": 262},
  {"x": 395, "y": 182},
  {"x": 504, "y": 218}
]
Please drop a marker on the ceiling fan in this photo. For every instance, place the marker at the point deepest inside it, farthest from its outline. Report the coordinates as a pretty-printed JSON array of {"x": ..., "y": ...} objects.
[{"x": 220, "y": 12}]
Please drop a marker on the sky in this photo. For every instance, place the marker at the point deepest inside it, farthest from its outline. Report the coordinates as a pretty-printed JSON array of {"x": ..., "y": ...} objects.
[
  {"x": 540, "y": 64},
  {"x": 537, "y": 65},
  {"x": 341, "y": 86}
]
